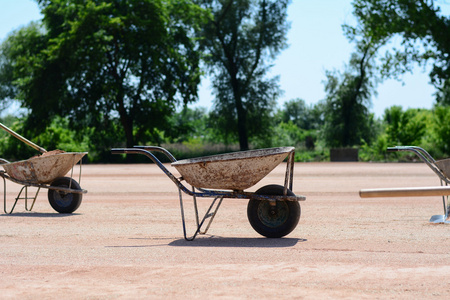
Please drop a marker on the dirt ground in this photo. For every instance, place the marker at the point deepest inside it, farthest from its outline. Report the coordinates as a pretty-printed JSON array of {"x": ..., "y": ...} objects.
[{"x": 126, "y": 241}]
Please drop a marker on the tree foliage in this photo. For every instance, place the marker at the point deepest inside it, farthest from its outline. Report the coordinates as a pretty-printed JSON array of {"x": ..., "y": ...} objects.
[
  {"x": 404, "y": 127},
  {"x": 441, "y": 127},
  {"x": 100, "y": 63},
  {"x": 347, "y": 118},
  {"x": 421, "y": 27},
  {"x": 302, "y": 115},
  {"x": 188, "y": 124},
  {"x": 240, "y": 40}
]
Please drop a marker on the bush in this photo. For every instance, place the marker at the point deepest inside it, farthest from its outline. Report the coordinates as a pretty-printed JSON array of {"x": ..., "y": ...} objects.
[{"x": 442, "y": 130}]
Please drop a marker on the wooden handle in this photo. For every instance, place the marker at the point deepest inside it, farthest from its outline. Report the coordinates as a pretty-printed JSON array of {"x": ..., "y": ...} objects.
[
  {"x": 18, "y": 136},
  {"x": 406, "y": 192}
]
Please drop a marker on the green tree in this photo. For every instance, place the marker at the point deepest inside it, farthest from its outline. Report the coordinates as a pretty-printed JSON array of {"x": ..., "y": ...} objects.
[
  {"x": 305, "y": 117},
  {"x": 240, "y": 40},
  {"x": 423, "y": 32},
  {"x": 297, "y": 124},
  {"x": 188, "y": 124},
  {"x": 348, "y": 96},
  {"x": 100, "y": 63},
  {"x": 18, "y": 58},
  {"x": 404, "y": 127},
  {"x": 347, "y": 118},
  {"x": 443, "y": 94},
  {"x": 441, "y": 127}
]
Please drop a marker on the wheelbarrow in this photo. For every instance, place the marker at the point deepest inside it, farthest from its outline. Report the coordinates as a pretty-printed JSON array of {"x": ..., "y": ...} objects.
[
  {"x": 273, "y": 210},
  {"x": 44, "y": 171},
  {"x": 441, "y": 168}
]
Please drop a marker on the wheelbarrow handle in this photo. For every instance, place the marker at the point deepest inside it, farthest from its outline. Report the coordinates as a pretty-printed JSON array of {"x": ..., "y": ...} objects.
[
  {"x": 422, "y": 153},
  {"x": 405, "y": 148},
  {"x": 118, "y": 151},
  {"x": 158, "y": 149},
  {"x": 144, "y": 150}
]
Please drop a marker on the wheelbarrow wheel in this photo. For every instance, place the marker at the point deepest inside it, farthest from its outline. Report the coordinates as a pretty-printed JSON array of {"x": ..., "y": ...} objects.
[
  {"x": 273, "y": 221},
  {"x": 64, "y": 202}
]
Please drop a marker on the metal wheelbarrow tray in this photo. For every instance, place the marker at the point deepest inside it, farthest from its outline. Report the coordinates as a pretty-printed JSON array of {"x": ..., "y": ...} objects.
[
  {"x": 46, "y": 171},
  {"x": 440, "y": 167},
  {"x": 273, "y": 210}
]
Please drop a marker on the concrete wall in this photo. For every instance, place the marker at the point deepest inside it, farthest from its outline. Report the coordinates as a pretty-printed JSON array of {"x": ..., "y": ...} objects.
[{"x": 344, "y": 154}]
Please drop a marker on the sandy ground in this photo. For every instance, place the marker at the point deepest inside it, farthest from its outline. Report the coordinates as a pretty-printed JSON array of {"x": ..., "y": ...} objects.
[{"x": 126, "y": 241}]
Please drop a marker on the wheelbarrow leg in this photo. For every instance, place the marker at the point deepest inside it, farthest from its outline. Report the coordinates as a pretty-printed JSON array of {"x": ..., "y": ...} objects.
[
  {"x": 207, "y": 215},
  {"x": 26, "y": 198},
  {"x": 446, "y": 209},
  {"x": 4, "y": 198},
  {"x": 445, "y": 217},
  {"x": 446, "y": 206}
]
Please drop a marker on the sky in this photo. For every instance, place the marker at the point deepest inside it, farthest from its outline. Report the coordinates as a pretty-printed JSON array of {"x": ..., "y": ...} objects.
[{"x": 316, "y": 44}]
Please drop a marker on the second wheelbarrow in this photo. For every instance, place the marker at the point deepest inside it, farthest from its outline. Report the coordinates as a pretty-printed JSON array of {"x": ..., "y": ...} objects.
[
  {"x": 440, "y": 167},
  {"x": 44, "y": 171},
  {"x": 47, "y": 171},
  {"x": 273, "y": 210}
]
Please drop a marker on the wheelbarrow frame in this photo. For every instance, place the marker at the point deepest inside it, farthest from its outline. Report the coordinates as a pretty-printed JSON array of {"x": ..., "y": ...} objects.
[
  {"x": 217, "y": 195},
  {"x": 26, "y": 185}
]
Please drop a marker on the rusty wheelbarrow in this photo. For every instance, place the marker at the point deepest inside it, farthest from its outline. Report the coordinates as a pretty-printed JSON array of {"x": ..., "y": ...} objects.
[
  {"x": 273, "y": 210},
  {"x": 44, "y": 171},
  {"x": 440, "y": 167}
]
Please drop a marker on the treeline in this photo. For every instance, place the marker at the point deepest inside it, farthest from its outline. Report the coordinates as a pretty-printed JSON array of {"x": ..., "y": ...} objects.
[
  {"x": 191, "y": 134},
  {"x": 304, "y": 126}
]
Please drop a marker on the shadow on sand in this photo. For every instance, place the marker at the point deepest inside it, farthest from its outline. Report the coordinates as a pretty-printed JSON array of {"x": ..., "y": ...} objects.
[
  {"x": 38, "y": 215},
  {"x": 215, "y": 241}
]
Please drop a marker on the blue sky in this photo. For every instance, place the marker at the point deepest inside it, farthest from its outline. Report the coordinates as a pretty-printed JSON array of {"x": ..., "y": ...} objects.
[{"x": 316, "y": 44}]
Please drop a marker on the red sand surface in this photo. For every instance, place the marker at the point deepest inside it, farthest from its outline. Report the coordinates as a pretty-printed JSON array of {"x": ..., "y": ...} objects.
[{"x": 126, "y": 241}]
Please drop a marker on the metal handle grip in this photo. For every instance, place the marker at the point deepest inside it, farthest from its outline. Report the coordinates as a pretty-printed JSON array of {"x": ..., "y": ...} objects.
[{"x": 392, "y": 149}]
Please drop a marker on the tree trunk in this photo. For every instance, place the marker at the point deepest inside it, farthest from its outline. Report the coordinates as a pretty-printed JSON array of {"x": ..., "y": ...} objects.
[
  {"x": 242, "y": 124},
  {"x": 127, "y": 123},
  {"x": 128, "y": 128}
]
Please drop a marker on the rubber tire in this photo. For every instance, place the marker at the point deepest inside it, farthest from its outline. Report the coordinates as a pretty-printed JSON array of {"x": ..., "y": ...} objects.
[
  {"x": 64, "y": 203},
  {"x": 278, "y": 223}
]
